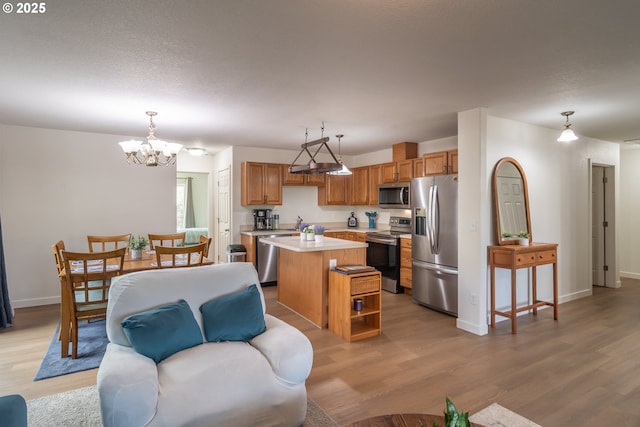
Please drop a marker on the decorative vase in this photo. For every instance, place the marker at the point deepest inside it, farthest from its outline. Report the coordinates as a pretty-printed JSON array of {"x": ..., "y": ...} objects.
[
  {"x": 372, "y": 223},
  {"x": 319, "y": 237},
  {"x": 310, "y": 236},
  {"x": 524, "y": 241},
  {"x": 136, "y": 253},
  {"x": 303, "y": 236}
]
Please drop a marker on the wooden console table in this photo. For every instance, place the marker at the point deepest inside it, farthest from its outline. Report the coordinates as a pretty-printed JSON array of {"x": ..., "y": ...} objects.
[{"x": 514, "y": 257}]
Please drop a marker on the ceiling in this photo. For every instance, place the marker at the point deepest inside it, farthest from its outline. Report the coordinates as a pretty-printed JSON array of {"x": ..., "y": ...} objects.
[{"x": 258, "y": 72}]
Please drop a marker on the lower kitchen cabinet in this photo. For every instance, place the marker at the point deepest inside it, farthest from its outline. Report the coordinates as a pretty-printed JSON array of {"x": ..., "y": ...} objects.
[
  {"x": 249, "y": 242},
  {"x": 406, "y": 278},
  {"x": 344, "y": 320}
]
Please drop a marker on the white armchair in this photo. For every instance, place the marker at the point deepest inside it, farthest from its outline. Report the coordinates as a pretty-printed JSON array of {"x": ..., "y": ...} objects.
[{"x": 260, "y": 382}]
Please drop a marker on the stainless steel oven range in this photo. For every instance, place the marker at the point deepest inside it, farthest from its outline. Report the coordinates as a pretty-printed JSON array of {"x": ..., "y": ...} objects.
[{"x": 383, "y": 252}]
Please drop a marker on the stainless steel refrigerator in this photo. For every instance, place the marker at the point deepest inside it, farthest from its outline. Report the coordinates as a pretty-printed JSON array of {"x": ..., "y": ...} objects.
[{"x": 434, "y": 240}]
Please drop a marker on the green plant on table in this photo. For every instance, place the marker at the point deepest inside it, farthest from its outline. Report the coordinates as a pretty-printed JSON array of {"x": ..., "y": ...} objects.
[
  {"x": 523, "y": 235},
  {"x": 452, "y": 418},
  {"x": 138, "y": 243}
]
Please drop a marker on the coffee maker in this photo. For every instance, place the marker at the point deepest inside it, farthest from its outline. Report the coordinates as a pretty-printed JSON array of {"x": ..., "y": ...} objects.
[{"x": 262, "y": 219}]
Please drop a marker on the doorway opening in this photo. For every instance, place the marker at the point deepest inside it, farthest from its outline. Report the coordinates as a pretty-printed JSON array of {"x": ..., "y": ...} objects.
[
  {"x": 603, "y": 265},
  {"x": 192, "y": 205}
]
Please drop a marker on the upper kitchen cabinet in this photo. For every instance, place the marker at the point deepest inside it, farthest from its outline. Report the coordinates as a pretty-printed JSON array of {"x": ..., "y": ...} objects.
[
  {"x": 400, "y": 171},
  {"x": 336, "y": 190},
  {"x": 441, "y": 163},
  {"x": 301, "y": 178},
  {"x": 261, "y": 184},
  {"x": 375, "y": 178},
  {"x": 418, "y": 167},
  {"x": 360, "y": 186}
]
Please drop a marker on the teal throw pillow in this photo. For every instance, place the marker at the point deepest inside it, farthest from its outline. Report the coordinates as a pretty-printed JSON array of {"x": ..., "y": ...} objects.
[
  {"x": 234, "y": 317},
  {"x": 160, "y": 332}
]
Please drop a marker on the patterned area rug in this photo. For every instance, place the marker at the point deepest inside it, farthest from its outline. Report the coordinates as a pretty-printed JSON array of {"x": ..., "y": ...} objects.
[
  {"x": 92, "y": 343},
  {"x": 495, "y": 415},
  {"x": 81, "y": 408}
]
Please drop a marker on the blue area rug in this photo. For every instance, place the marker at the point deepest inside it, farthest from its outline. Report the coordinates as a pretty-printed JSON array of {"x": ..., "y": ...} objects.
[{"x": 92, "y": 343}]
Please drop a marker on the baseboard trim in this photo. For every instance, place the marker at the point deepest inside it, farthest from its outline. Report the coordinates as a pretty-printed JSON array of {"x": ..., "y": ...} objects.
[
  {"x": 630, "y": 275},
  {"x": 34, "y": 302},
  {"x": 472, "y": 327}
]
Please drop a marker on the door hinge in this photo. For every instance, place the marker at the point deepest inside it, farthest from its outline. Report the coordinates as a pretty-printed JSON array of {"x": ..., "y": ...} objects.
[
  {"x": 606, "y": 268},
  {"x": 605, "y": 223}
]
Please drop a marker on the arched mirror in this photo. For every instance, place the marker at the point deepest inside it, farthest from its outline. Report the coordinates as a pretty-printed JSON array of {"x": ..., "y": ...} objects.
[{"x": 511, "y": 200}]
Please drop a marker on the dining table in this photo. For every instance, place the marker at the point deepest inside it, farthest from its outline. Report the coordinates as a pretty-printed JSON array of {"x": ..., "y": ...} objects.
[{"x": 147, "y": 261}]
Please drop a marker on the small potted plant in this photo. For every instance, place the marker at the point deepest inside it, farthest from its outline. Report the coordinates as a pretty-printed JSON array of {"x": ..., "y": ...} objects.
[
  {"x": 303, "y": 226},
  {"x": 452, "y": 418},
  {"x": 318, "y": 230},
  {"x": 308, "y": 232},
  {"x": 136, "y": 245},
  {"x": 523, "y": 238}
]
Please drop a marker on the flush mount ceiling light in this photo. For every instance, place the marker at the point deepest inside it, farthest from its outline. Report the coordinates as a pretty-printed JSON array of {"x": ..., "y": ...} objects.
[
  {"x": 152, "y": 152},
  {"x": 197, "y": 151},
  {"x": 567, "y": 134},
  {"x": 345, "y": 170},
  {"x": 314, "y": 167}
]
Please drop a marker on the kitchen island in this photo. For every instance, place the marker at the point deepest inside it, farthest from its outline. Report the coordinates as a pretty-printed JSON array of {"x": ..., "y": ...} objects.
[{"x": 303, "y": 272}]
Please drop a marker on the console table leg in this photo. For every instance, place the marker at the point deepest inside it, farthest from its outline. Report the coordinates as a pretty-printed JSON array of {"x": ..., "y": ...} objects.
[
  {"x": 493, "y": 297},
  {"x": 513, "y": 301},
  {"x": 534, "y": 289}
]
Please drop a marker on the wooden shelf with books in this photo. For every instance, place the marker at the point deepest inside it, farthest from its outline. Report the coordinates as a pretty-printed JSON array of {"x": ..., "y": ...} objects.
[{"x": 355, "y": 304}]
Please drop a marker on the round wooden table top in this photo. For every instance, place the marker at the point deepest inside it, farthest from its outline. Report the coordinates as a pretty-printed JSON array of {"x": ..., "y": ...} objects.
[{"x": 403, "y": 420}]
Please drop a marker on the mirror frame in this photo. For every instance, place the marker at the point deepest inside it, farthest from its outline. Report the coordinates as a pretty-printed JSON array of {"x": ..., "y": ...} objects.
[{"x": 502, "y": 241}]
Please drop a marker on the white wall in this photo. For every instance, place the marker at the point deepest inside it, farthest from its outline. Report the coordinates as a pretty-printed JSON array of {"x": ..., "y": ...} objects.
[
  {"x": 62, "y": 185},
  {"x": 558, "y": 176},
  {"x": 630, "y": 202}
]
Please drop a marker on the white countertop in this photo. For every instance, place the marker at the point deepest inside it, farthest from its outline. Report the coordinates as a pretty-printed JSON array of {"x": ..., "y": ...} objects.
[
  {"x": 285, "y": 231},
  {"x": 293, "y": 243}
]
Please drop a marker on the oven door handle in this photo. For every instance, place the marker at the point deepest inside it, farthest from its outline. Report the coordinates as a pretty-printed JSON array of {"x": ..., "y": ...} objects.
[{"x": 390, "y": 242}]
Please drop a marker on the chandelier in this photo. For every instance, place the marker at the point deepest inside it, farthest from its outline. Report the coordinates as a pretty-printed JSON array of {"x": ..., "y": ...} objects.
[{"x": 152, "y": 152}]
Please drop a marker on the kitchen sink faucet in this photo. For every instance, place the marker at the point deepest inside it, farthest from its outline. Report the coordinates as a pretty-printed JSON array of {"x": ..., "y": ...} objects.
[{"x": 298, "y": 222}]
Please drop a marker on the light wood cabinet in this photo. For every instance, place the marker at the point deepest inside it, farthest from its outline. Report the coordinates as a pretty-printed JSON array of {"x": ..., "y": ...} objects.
[
  {"x": 400, "y": 171},
  {"x": 344, "y": 320},
  {"x": 375, "y": 179},
  {"x": 441, "y": 163},
  {"x": 360, "y": 186},
  {"x": 249, "y": 243},
  {"x": 347, "y": 235},
  {"x": 261, "y": 184},
  {"x": 406, "y": 266},
  {"x": 301, "y": 178},
  {"x": 336, "y": 190},
  {"x": 418, "y": 167}
]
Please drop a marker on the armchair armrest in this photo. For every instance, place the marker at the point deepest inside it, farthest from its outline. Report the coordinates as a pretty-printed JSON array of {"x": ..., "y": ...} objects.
[
  {"x": 128, "y": 387},
  {"x": 287, "y": 349}
]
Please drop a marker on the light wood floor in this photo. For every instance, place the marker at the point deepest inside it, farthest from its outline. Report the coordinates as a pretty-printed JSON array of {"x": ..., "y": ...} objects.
[{"x": 582, "y": 370}]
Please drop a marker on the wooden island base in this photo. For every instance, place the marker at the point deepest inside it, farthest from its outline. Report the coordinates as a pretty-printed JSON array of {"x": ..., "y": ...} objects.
[{"x": 303, "y": 279}]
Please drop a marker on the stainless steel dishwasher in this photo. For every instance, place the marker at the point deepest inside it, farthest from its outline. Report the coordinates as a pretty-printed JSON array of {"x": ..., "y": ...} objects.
[{"x": 267, "y": 260}]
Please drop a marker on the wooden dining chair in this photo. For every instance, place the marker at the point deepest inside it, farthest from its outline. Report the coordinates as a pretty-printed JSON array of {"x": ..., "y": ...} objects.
[
  {"x": 206, "y": 240},
  {"x": 173, "y": 240},
  {"x": 108, "y": 243},
  {"x": 88, "y": 278},
  {"x": 57, "y": 250},
  {"x": 189, "y": 256}
]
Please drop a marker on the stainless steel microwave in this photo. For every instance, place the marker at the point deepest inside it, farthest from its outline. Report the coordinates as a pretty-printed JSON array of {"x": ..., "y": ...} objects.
[{"x": 394, "y": 196}]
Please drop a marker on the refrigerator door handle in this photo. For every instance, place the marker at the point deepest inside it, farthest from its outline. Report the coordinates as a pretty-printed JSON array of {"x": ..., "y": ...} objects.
[
  {"x": 436, "y": 268},
  {"x": 430, "y": 219},
  {"x": 435, "y": 211}
]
